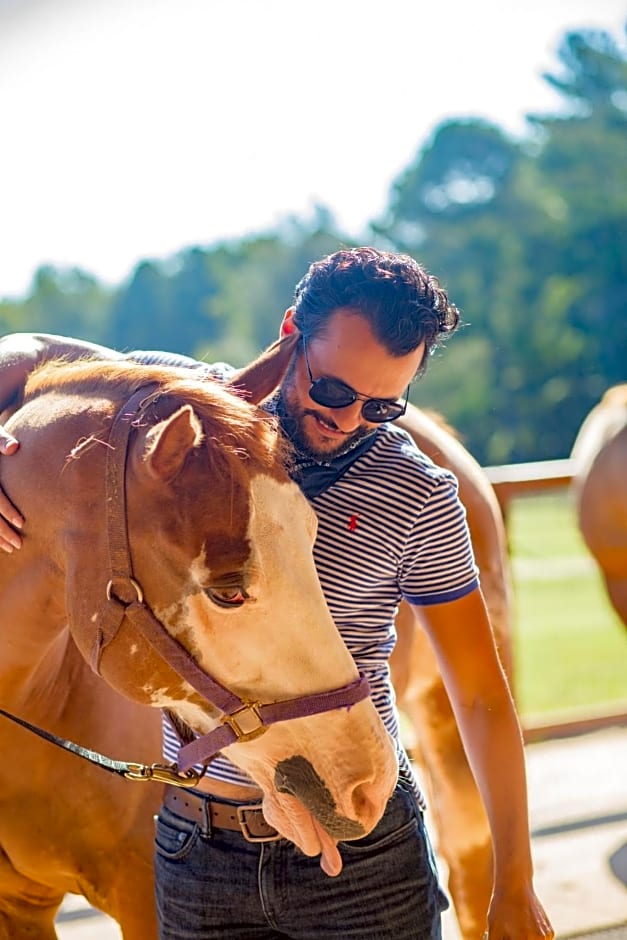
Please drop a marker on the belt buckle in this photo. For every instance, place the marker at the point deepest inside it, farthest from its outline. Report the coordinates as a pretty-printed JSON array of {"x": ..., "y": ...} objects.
[{"x": 248, "y": 835}]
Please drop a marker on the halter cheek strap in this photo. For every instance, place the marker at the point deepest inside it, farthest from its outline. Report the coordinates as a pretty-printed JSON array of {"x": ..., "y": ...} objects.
[{"x": 241, "y": 720}]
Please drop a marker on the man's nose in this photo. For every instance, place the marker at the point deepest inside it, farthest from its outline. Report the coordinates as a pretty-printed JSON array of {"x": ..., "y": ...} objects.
[{"x": 348, "y": 419}]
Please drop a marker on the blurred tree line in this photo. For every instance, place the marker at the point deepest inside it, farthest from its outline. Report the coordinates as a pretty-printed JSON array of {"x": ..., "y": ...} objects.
[{"x": 529, "y": 237}]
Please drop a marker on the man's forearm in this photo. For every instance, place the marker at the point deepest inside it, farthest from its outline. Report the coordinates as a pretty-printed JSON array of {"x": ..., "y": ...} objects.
[
  {"x": 488, "y": 724},
  {"x": 20, "y": 353},
  {"x": 492, "y": 738}
]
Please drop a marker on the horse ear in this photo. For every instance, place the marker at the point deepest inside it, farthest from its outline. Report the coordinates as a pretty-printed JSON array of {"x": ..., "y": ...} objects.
[
  {"x": 258, "y": 380},
  {"x": 170, "y": 441}
]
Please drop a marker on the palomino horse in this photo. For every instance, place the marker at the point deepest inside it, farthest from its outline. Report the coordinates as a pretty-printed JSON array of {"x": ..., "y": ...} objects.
[
  {"x": 600, "y": 487},
  {"x": 464, "y": 840},
  {"x": 219, "y": 561}
]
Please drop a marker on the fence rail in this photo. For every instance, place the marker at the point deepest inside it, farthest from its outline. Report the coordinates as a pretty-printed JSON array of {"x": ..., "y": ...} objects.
[
  {"x": 517, "y": 480},
  {"x": 514, "y": 480}
]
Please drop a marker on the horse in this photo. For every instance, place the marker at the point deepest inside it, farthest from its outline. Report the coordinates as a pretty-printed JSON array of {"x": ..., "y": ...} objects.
[
  {"x": 460, "y": 821},
  {"x": 166, "y": 564},
  {"x": 599, "y": 455}
]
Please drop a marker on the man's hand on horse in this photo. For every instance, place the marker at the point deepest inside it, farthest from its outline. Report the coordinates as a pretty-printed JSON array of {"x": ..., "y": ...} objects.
[{"x": 10, "y": 518}]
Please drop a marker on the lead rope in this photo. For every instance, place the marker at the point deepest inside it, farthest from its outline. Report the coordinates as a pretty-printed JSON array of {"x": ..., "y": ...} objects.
[{"x": 131, "y": 770}]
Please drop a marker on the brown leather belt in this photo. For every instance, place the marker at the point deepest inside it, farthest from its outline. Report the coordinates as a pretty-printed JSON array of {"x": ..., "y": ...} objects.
[{"x": 245, "y": 818}]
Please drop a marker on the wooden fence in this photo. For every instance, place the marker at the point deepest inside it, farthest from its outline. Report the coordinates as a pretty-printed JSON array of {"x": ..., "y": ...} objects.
[
  {"x": 524, "y": 479},
  {"x": 513, "y": 481}
]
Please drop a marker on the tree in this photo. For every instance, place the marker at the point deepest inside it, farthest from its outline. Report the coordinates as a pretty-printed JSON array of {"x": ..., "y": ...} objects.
[
  {"x": 66, "y": 301},
  {"x": 530, "y": 239}
]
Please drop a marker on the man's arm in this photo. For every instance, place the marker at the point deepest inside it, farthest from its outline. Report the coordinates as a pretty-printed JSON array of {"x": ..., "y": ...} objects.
[
  {"x": 463, "y": 642},
  {"x": 20, "y": 353}
]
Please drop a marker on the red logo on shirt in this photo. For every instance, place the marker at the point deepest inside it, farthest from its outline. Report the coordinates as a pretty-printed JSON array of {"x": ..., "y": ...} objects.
[{"x": 352, "y": 523}]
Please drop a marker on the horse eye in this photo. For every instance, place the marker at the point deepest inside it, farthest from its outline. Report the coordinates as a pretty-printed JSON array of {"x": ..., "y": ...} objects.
[{"x": 227, "y": 596}]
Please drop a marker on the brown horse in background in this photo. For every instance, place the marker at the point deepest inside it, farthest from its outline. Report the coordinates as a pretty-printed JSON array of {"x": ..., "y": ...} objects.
[
  {"x": 600, "y": 487},
  {"x": 464, "y": 840},
  {"x": 214, "y": 525}
]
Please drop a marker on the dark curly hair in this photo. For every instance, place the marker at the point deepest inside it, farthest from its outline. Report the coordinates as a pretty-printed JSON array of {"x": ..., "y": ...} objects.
[{"x": 403, "y": 303}]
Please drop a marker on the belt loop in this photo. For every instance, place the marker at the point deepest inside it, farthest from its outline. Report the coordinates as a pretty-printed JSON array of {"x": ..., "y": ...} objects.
[{"x": 206, "y": 830}]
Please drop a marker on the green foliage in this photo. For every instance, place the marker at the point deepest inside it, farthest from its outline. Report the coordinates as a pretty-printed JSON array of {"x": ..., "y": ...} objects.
[
  {"x": 531, "y": 240},
  {"x": 70, "y": 302},
  {"x": 529, "y": 237}
]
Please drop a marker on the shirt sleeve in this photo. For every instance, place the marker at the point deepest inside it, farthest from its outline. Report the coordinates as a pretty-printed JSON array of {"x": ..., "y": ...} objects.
[
  {"x": 220, "y": 371},
  {"x": 438, "y": 564}
]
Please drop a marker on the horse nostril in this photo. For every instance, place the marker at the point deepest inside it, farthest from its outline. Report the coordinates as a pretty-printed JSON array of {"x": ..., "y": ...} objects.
[
  {"x": 360, "y": 800},
  {"x": 366, "y": 804}
]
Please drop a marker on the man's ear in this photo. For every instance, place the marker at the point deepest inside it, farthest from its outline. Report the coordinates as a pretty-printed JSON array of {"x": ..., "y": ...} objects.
[
  {"x": 288, "y": 327},
  {"x": 258, "y": 380}
]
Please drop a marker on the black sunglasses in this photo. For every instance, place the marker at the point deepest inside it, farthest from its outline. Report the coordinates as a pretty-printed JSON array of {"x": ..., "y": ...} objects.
[{"x": 331, "y": 393}]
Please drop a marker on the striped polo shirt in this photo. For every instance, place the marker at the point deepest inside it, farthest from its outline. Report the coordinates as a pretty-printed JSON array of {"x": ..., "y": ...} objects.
[{"x": 391, "y": 527}]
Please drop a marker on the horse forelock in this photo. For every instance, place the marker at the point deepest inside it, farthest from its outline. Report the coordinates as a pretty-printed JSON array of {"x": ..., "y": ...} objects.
[{"x": 239, "y": 428}]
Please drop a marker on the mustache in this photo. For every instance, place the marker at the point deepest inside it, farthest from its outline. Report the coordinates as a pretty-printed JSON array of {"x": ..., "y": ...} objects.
[{"x": 323, "y": 418}]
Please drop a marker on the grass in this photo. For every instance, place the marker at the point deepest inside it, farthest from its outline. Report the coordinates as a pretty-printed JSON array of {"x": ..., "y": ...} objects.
[{"x": 570, "y": 648}]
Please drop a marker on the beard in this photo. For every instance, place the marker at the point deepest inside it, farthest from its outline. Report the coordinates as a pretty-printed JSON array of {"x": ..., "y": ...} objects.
[{"x": 292, "y": 418}]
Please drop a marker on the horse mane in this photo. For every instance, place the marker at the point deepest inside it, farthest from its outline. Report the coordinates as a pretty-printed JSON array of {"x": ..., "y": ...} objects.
[{"x": 250, "y": 432}]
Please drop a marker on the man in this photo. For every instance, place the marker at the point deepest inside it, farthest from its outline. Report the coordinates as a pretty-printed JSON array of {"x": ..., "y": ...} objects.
[{"x": 363, "y": 323}]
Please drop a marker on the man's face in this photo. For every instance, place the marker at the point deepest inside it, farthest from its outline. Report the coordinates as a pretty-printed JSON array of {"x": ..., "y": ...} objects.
[{"x": 348, "y": 351}]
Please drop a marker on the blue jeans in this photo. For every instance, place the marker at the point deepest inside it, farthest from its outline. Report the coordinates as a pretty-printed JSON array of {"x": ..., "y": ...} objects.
[{"x": 217, "y": 885}]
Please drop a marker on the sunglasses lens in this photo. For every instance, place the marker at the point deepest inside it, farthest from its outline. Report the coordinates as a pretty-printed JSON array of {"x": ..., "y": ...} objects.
[
  {"x": 376, "y": 410},
  {"x": 331, "y": 394}
]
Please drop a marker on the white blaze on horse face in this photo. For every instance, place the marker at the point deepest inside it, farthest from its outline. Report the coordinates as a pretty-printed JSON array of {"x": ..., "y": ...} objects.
[
  {"x": 281, "y": 644},
  {"x": 282, "y": 641}
]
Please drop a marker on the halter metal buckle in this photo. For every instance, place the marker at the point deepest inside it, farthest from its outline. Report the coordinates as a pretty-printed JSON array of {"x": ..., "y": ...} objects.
[
  {"x": 161, "y": 773},
  {"x": 240, "y": 722}
]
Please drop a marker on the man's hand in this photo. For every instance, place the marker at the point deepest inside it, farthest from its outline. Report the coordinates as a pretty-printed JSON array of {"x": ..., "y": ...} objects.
[
  {"x": 10, "y": 518},
  {"x": 517, "y": 916},
  {"x": 20, "y": 353}
]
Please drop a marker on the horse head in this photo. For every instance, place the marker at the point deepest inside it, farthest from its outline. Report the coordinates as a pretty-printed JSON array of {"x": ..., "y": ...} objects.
[{"x": 220, "y": 547}]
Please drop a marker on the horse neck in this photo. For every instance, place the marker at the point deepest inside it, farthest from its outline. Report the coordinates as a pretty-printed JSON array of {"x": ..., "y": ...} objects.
[
  {"x": 62, "y": 500},
  {"x": 33, "y": 676}
]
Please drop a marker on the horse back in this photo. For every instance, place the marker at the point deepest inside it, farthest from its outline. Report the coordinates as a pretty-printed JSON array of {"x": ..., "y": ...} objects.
[{"x": 439, "y": 442}]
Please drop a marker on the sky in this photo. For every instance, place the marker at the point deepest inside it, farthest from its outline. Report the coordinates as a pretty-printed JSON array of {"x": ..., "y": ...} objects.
[{"x": 132, "y": 129}]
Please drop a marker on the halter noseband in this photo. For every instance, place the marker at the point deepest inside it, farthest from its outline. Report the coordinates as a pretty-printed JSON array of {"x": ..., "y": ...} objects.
[{"x": 242, "y": 720}]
